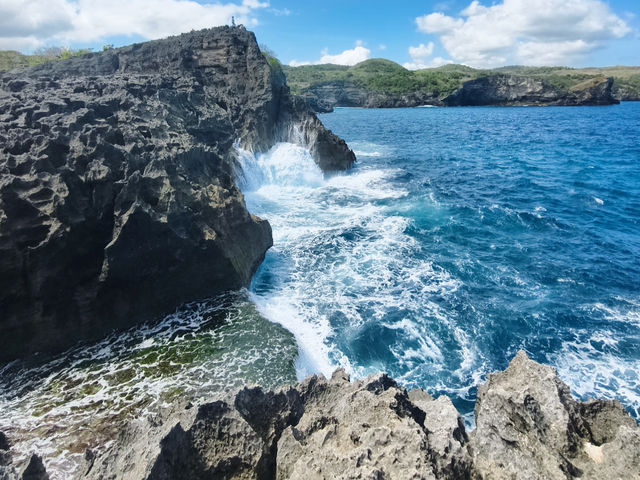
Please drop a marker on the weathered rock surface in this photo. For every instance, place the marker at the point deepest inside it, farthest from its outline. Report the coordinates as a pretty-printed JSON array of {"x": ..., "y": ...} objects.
[
  {"x": 519, "y": 90},
  {"x": 325, "y": 96},
  {"x": 117, "y": 193},
  {"x": 528, "y": 426},
  {"x": 34, "y": 469},
  {"x": 505, "y": 90}
]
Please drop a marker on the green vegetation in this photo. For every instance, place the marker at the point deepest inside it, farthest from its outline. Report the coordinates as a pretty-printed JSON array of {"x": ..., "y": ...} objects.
[
  {"x": 10, "y": 59},
  {"x": 388, "y": 77}
]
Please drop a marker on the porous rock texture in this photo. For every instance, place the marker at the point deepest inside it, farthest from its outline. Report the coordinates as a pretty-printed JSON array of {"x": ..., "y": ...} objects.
[
  {"x": 528, "y": 427},
  {"x": 117, "y": 193}
]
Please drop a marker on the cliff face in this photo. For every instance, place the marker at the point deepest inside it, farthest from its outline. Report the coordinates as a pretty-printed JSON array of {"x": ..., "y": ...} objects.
[
  {"x": 518, "y": 90},
  {"x": 324, "y": 97},
  {"x": 117, "y": 196},
  {"x": 504, "y": 90},
  {"x": 528, "y": 426}
]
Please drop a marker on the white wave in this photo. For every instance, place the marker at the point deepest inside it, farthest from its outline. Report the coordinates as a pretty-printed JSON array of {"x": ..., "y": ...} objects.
[
  {"x": 599, "y": 201},
  {"x": 339, "y": 253}
]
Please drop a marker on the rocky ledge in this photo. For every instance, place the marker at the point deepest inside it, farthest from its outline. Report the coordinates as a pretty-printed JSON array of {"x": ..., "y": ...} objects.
[
  {"x": 117, "y": 193},
  {"x": 527, "y": 426}
]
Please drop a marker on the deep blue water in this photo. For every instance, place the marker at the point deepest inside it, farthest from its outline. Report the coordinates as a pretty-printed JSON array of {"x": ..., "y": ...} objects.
[{"x": 461, "y": 236}]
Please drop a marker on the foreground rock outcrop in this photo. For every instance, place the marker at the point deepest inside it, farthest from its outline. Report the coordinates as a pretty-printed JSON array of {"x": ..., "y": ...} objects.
[
  {"x": 117, "y": 193},
  {"x": 528, "y": 426}
]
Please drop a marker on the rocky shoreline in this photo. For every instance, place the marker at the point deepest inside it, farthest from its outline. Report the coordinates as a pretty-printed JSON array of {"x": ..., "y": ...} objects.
[
  {"x": 527, "y": 426},
  {"x": 118, "y": 200},
  {"x": 491, "y": 90}
]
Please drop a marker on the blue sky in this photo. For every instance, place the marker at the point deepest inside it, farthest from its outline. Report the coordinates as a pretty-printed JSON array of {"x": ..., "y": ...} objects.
[{"x": 418, "y": 34}]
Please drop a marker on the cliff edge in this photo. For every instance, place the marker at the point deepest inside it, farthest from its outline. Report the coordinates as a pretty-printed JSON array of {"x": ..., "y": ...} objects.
[{"x": 117, "y": 193}]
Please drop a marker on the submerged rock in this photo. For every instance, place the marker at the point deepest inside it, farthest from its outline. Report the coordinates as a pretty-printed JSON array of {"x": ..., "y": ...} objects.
[
  {"x": 528, "y": 426},
  {"x": 117, "y": 193}
]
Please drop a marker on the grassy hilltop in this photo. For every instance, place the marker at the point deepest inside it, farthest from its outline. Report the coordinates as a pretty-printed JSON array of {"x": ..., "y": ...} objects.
[{"x": 388, "y": 77}]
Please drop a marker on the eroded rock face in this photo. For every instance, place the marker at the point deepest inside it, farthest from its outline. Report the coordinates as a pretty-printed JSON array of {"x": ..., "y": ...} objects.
[
  {"x": 519, "y": 90},
  {"x": 502, "y": 90},
  {"x": 528, "y": 427},
  {"x": 325, "y": 96},
  {"x": 117, "y": 196}
]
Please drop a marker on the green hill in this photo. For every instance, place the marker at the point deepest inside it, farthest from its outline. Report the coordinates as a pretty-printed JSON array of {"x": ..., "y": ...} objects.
[{"x": 385, "y": 76}]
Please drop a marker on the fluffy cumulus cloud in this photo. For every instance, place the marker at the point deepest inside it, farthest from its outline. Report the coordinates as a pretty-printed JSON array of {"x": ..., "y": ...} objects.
[
  {"x": 532, "y": 32},
  {"x": 27, "y": 24},
  {"x": 357, "y": 54},
  {"x": 420, "y": 58}
]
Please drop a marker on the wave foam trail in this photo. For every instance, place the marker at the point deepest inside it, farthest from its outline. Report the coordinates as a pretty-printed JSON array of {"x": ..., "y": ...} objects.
[{"x": 343, "y": 276}]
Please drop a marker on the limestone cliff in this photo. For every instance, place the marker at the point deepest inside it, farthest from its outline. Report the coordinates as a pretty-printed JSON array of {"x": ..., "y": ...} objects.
[
  {"x": 495, "y": 89},
  {"x": 528, "y": 426},
  {"x": 520, "y": 90},
  {"x": 117, "y": 196}
]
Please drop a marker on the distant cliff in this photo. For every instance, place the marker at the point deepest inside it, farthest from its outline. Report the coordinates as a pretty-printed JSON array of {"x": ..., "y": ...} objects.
[
  {"x": 117, "y": 193},
  {"x": 518, "y": 90},
  {"x": 379, "y": 83}
]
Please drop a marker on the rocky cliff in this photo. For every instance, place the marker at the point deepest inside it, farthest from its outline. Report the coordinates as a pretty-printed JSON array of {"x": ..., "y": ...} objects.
[
  {"x": 519, "y": 90},
  {"x": 117, "y": 193},
  {"x": 527, "y": 426},
  {"x": 324, "y": 97},
  {"x": 503, "y": 90}
]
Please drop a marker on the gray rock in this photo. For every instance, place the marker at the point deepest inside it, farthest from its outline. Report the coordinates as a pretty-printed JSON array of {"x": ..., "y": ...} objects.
[
  {"x": 117, "y": 193},
  {"x": 35, "y": 469},
  {"x": 528, "y": 426},
  {"x": 520, "y": 90}
]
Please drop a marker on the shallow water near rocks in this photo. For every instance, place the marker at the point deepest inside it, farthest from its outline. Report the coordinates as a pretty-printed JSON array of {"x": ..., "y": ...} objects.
[{"x": 460, "y": 236}]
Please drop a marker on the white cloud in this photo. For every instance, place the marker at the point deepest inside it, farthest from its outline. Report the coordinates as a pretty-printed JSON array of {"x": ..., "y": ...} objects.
[
  {"x": 382, "y": 46},
  {"x": 352, "y": 56},
  {"x": 532, "y": 32},
  {"x": 26, "y": 25},
  {"x": 420, "y": 58},
  {"x": 421, "y": 52}
]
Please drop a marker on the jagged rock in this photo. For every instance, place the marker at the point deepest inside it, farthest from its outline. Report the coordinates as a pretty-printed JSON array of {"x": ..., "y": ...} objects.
[
  {"x": 520, "y": 90},
  {"x": 7, "y": 471},
  {"x": 117, "y": 193},
  {"x": 528, "y": 426},
  {"x": 366, "y": 429},
  {"x": 35, "y": 469}
]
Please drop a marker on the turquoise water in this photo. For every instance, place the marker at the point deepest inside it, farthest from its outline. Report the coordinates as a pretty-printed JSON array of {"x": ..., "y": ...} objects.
[{"x": 461, "y": 236}]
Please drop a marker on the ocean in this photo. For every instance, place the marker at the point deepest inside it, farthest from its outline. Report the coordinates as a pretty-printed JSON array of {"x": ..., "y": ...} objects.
[{"x": 460, "y": 236}]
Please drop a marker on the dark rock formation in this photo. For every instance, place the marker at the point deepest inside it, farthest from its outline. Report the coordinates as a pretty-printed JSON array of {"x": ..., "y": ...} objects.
[
  {"x": 117, "y": 196},
  {"x": 34, "y": 470},
  {"x": 519, "y": 90},
  {"x": 528, "y": 426},
  {"x": 325, "y": 96},
  {"x": 502, "y": 90}
]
